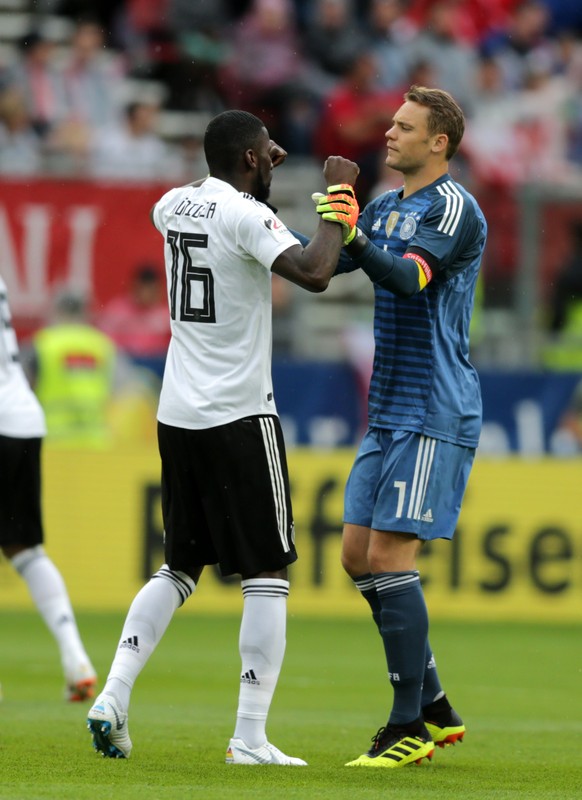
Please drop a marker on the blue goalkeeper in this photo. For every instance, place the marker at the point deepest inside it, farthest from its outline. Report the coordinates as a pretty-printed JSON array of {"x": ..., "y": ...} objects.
[{"x": 421, "y": 245}]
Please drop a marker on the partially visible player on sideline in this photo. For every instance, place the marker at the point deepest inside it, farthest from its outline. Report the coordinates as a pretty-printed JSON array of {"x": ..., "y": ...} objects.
[
  {"x": 22, "y": 428},
  {"x": 421, "y": 245},
  {"x": 225, "y": 487}
]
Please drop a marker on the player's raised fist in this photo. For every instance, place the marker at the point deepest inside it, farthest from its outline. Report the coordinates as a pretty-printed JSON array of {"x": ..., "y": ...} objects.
[{"x": 338, "y": 170}]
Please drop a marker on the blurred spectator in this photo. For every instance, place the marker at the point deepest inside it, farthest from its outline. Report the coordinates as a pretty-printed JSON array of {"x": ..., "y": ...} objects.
[
  {"x": 524, "y": 38},
  {"x": 573, "y": 73},
  {"x": 145, "y": 38},
  {"x": 453, "y": 62},
  {"x": 72, "y": 370},
  {"x": 490, "y": 142},
  {"x": 331, "y": 38},
  {"x": 201, "y": 50},
  {"x": 36, "y": 76},
  {"x": 354, "y": 120},
  {"x": 92, "y": 78},
  {"x": 266, "y": 68},
  {"x": 520, "y": 136},
  {"x": 20, "y": 145},
  {"x": 139, "y": 321},
  {"x": 475, "y": 20},
  {"x": 134, "y": 150},
  {"x": 390, "y": 32},
  {"x": 105, "y": 12},
  {"x": 540, "y": 110},
  {"x": 565, "y": 349}
]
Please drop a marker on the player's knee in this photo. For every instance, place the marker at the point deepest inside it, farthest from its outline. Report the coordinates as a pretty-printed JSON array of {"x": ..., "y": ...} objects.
[
  {"x": 20, "y": 557},
  {"x": 183, "y": 583},
  {"x": 353, "y": 562}
]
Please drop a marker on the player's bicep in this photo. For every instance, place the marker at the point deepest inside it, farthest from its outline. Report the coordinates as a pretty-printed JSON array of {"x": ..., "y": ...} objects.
[{"x": 287, "y": 264}]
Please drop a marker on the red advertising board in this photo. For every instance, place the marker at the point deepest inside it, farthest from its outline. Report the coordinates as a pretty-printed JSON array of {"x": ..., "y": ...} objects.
[{"x": 81, "y": 234}]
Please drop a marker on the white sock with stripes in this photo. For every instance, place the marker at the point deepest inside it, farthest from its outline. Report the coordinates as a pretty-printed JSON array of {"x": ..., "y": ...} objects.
[
  {"x": 147, "y": 620},
  {"x": 262, "y": 647},
  {"x": 49, "y": 593}
]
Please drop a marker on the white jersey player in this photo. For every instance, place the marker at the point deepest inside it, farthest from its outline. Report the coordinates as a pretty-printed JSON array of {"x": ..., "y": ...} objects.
[
  {"x": 225, "y": 487},
  {"x": 22, "y": 428},
  {"x": 220, "y": 245}
]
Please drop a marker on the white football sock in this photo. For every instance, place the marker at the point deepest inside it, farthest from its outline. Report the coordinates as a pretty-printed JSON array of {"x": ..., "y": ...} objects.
[
  {"x": 49, "y": 594},
  {"x": 262, "y": 647},
  {"x": 147, "y": 619}
]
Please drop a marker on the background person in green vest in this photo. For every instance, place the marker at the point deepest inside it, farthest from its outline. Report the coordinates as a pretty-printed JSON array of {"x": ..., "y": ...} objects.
[
  {"x": 563, "y": 352},
  {"x": 72, "y": 370}
]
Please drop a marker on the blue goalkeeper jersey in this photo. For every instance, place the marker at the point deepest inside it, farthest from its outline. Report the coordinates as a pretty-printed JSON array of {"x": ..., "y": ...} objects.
[{"x": 422, "y": 378}]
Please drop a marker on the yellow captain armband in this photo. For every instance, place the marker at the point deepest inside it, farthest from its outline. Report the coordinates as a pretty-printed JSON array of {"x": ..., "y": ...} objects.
[{"x": 424, "y": 270}]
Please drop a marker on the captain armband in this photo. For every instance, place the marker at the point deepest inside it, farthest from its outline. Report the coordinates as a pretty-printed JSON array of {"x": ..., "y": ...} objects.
[{"x": 424, "y": 270}]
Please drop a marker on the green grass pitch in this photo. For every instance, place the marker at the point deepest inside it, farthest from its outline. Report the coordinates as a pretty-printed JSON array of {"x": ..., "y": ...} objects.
[{"x": 518, "y": 687}]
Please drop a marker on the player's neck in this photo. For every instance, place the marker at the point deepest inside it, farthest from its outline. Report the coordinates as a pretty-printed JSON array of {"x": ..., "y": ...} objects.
[{"x": 414, "y": 181}]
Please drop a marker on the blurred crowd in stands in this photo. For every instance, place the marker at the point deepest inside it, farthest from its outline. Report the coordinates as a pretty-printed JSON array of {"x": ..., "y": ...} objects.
[
  {"x": 122, "y": 90},
  {"x": 326, "y": 75}
]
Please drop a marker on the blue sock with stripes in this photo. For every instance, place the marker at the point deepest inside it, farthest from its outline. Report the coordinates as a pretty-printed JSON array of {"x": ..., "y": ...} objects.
[
  {"x": 431, "y": 687},
  {"x": 367, "y": 588},
  {"x": 404, "y": 631}
]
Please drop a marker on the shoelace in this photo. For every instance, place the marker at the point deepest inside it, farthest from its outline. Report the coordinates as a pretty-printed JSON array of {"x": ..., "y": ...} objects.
[{"x": 377, "y": 738}]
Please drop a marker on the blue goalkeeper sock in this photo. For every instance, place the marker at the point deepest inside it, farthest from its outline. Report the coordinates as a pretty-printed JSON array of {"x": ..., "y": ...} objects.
[
  {"x": 404, "y": 631},
  {"x": 431, "y": 687},
  {"x": 366, "y": 586}
]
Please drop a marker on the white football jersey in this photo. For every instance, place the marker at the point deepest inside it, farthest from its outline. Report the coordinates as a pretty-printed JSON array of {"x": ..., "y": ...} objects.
[
  {"x": 219, "y": 246},
  {"x": 21, "y": 415}
]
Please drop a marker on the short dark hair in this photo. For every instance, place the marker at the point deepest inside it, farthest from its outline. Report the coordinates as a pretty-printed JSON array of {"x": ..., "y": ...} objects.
[
  {"x": 227, "y": 136},
  {"x": 444, "y": 114}
]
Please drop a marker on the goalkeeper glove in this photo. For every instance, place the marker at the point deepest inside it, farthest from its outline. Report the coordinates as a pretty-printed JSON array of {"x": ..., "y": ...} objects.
[{"x": 339, "y": 205}]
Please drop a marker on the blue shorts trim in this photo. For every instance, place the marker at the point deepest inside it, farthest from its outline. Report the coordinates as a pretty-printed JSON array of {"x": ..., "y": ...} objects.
[{"x": 407, "y": 482}]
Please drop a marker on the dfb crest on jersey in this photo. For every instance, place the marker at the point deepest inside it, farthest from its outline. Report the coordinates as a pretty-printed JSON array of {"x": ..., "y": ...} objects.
[
  {"x": 408, "y": 228},
  {"x": 393, "y": 218}
]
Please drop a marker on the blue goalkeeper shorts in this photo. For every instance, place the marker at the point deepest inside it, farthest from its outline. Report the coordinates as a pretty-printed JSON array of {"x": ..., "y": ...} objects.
[{"x": 407, "y": 482}]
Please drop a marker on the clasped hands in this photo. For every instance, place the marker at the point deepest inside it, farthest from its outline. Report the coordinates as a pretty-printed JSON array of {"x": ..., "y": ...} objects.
[{"x": 339, "y": 205}]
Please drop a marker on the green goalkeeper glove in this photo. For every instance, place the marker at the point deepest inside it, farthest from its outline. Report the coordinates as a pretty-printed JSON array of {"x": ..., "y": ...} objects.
[{"x": 339, "y": 205}]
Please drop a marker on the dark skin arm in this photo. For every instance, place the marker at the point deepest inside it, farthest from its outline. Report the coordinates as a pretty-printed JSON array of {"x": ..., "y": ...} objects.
[{"x": 313, "y": 266}]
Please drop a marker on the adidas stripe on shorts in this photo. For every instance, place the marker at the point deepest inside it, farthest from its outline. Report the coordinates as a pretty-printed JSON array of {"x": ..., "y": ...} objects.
[
  {"x": 226, "y": 497},
  {"x": 407, "y": 482}
]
